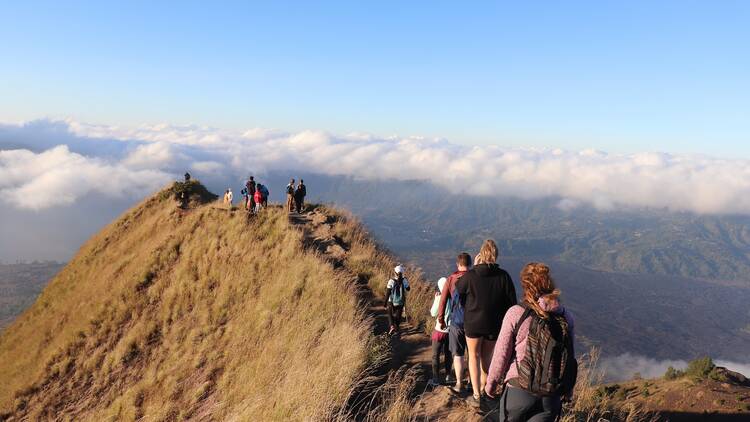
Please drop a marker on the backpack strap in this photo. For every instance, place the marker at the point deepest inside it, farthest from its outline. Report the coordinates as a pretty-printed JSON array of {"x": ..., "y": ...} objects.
[{"x": 526, "y": 313}]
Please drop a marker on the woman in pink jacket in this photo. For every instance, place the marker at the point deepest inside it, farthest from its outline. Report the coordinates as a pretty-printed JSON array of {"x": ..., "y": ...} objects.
[{"x": 532, "y": 391}]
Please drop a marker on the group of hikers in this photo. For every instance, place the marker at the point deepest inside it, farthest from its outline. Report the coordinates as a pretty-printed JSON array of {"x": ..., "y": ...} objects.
[
  {"x": 295, "y": 196},
  {"x": 255, "y": 195},
  {"x": 520, "y": 356}
]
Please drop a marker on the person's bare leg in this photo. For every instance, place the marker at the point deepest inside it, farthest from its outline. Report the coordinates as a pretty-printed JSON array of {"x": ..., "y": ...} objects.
[
  {"x": 488, "y": 347},
  {"x": 474, "y": 346}
]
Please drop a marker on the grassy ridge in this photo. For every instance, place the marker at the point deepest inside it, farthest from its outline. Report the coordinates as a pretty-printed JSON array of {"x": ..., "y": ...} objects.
[{"x": 171, "y": 315}]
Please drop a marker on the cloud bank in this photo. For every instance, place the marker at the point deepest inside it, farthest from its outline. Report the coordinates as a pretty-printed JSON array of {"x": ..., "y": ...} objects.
[
  {"x": 625, "y": 366},
  {"x": 143, "y": 157}
]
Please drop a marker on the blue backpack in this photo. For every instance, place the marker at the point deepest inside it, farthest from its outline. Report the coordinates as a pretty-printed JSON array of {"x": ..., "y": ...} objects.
[{"x": 457, "y": 310}]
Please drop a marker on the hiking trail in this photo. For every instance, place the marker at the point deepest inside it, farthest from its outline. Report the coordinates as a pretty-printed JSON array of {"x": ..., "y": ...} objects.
[{"x": 411, "y": 349}]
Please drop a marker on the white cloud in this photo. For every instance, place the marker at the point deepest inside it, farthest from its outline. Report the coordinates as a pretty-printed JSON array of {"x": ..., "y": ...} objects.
[
  {"x": 59, "y": 177},
  {"x": 692, "y": 183}
]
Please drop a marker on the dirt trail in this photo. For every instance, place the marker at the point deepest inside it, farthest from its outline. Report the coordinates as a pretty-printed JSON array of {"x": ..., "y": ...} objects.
[{"x": 410, "y": 349}]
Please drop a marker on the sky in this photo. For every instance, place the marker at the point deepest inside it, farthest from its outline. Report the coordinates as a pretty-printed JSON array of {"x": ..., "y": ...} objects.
[{"x": 621, "y": 77}]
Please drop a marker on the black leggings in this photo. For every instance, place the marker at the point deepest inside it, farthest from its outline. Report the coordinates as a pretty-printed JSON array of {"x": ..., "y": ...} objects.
[
  {"x": 519, "y": 405},
  {"x": 437, "y": 348},
  {"x": 394, "y": 315}
]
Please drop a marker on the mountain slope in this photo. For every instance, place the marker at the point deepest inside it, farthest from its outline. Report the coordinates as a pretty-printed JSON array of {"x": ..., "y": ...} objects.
[{"x": 173, "y": 314}]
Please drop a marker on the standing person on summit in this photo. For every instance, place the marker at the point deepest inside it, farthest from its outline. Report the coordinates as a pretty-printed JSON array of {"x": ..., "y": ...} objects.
[
  {"x": 489, "y": 293},
  {"x": 230, "y": 197},
  {"x": 540, "y": 323},
  {"x": 299, "y": 195},
  {"x": 290, "y": 196},
  {"x": 395, "y": 292},
  {"x": 264, "y": 192},
  {"x": 451, "y": 315},
  {"x": 250, "y": 185},
  {"x": 258, "y": 199}
]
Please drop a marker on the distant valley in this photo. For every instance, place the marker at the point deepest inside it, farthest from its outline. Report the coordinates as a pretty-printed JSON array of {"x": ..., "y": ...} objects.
[{"x": 20, "y": 284}]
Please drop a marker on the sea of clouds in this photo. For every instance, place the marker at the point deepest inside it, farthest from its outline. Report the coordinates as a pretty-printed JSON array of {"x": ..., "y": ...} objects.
[
  {"x": 625, "y": 366},
  {"x": 47, "y": 163}
]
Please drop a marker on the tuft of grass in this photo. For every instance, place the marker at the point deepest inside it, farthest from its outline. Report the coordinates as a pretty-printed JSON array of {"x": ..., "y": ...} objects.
[{"x": 593, "y": 402}]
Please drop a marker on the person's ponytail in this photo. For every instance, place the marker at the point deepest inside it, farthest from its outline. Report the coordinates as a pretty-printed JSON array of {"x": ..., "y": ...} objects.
[{"x": 537, "y": 283}]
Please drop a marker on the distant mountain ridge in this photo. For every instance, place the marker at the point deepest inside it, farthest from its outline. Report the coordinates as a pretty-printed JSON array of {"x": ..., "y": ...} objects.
[{"x": 418, "y": 215}]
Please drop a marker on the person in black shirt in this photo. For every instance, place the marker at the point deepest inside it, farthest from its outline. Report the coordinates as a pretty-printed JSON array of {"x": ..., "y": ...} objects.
[
  {"x": 299, "y": 195},
  {"x": 488, "y": 292}
]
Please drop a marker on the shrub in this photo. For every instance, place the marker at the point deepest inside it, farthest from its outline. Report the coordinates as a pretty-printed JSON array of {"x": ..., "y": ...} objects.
[
  {"x": 673, "y": 374},
  {"x": 700, "y": 368}
]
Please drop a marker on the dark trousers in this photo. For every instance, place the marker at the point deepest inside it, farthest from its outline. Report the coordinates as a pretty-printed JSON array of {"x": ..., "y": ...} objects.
[
  {"x": 440, "y": 347},
  {"x": 299, "y": 202},
  {"x": 519, "y": 405},
  {"x": 394, "y": 314}
]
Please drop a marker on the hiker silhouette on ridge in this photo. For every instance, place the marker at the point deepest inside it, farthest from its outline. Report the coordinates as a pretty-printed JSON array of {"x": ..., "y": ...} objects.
[
  {"x": 290, "y": 196},
  {"x": 299, "y": 196}
]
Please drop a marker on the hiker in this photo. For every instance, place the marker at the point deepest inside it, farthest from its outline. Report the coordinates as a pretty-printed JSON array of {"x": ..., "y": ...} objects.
[
  {"x": 258, "y": 199},
  {"x": 243, "y": 192},
  {"x": 299, "y": 195},
  {"x": 488, "y": 292},
  {"x": 290, "y": 196},
  {"x": 229, "y": 198},
  {"x": 250, "y": 185},
  {"x": 451, "y": 315},
  {"x": 187, "y": 177},
  {"x": 395, "y": 291},
  {"x": 264, "y": 191},
  {"x": 538, "y": 325},
  {"x": 439, "y": 338}
]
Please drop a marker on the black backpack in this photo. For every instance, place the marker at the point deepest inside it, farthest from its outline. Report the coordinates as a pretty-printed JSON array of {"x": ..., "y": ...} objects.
[{"x": 549, "y": 366}]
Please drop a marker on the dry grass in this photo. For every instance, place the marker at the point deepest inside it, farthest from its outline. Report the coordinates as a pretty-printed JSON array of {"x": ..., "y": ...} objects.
[
  {"x": 372, "y": 263},
  {"x": 172, "y": 315},
  {"x": 590, "y": 405}
]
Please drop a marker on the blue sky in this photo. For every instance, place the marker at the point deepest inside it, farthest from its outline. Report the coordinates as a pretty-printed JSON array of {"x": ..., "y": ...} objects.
[{"x": 621, "y": 77}]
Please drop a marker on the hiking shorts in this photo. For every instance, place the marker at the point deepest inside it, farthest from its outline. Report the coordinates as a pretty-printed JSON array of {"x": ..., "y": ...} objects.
[
  {"x": 487, "y": 337},
  {"x": 456, "y": 340}
]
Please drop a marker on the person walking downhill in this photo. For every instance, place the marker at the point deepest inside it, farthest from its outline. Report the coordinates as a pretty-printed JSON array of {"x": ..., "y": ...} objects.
[
  {"x": 489, "y": 293},
  {"x": 439, "y": 337},
  {"x": 536, "y": 338},
  {"x": 451, "y": 315},
  {"x": 299, "y": 195},
  {"x": 395, "y": 291},
  {"x": 290, "y": 196}
]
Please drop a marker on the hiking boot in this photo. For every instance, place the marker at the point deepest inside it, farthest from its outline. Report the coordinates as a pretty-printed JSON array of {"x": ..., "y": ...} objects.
[
  {"x": 432, "y": 383},
  {"x": 457, "y": 389},
  {"x": 474, "y": 401}
]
